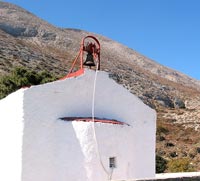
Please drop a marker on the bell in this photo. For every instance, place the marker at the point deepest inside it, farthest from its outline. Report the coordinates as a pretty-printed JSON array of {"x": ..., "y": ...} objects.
[{"x": 89, "y": 60}]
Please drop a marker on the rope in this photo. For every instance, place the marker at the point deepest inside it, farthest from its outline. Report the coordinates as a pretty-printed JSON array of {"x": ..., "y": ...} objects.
[{"x": 109, "y": 175}]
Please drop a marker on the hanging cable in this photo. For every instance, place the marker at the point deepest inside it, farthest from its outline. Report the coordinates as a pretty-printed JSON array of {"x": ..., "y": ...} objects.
[{"x": 109, "y": 175}]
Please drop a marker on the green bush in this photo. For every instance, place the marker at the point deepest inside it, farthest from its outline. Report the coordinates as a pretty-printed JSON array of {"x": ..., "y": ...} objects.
[
  {"x": 180, "y": 165},
  {"x": 21, "y": 77},
  {"x": 161, "y": 164}
]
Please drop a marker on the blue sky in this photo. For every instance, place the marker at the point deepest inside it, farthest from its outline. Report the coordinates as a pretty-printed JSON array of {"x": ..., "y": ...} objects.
[{"x": 167, "y": 31}]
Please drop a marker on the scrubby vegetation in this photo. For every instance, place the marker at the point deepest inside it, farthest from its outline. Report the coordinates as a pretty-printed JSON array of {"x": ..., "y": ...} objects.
[
  {"x": 20, "y": 77},
  {"x": 180, "y": 165},
  {"x": 176, "y": 143},
  {"x": 161, "y": 164}
]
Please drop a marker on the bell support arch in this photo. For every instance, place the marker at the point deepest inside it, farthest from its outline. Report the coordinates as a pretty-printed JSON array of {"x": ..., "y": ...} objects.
[{"x": 93, "y": 49}]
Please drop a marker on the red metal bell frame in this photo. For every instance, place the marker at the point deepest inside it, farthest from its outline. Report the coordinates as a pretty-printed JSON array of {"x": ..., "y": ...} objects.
[{"x": 92, "y": 49}]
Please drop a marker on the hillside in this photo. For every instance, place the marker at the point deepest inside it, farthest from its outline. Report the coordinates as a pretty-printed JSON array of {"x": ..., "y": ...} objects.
[{"x": 26, "y": 40}]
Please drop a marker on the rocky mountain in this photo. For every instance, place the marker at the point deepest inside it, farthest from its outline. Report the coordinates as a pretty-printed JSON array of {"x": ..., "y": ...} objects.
[{"x": 26, "y": 40}]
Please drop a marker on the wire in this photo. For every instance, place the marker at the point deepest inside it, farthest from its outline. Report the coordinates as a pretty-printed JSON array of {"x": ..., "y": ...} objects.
[{"x": 109, "y": 175}]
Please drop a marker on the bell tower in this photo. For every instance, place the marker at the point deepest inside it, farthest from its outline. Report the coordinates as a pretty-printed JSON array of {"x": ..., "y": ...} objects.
[{"x": 90, "y": 51}]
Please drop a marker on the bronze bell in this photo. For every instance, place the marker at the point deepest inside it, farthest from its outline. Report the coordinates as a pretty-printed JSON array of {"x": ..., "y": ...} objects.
[{"x": 89, "y": 60}]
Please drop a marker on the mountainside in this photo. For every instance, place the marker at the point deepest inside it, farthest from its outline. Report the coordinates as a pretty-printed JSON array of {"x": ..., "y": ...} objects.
[{"x": 26, "y": 40}]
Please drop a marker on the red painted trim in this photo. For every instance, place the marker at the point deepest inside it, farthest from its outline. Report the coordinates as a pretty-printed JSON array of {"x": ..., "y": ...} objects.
[
  {"x": 73, "y": 74},
  {"x": 96, "y": 120},
  {"x": 25, "y": 87}
]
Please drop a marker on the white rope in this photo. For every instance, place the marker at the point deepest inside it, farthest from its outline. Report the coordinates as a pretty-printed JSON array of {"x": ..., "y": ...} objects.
[{"x": 109, "y": 175}]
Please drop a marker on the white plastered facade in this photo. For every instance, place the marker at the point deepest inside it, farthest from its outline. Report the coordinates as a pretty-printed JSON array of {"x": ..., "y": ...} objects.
[{"x": 38, "y": 145}]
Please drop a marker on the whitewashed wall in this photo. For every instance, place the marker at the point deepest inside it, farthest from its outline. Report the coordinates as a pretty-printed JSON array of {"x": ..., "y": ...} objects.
[
  {"x": 11, "y": 132},
  {"x": 58, "y": 150}
]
